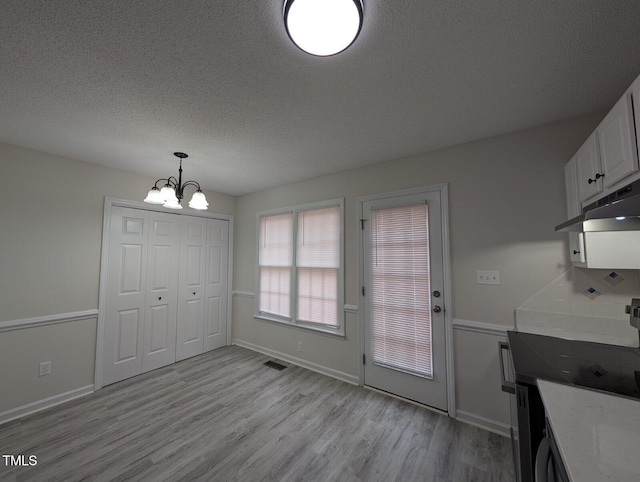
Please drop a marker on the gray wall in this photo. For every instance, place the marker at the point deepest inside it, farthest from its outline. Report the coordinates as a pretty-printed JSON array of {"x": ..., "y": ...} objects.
[
  {"x": 505, "y": 195},
  {"x": 51, "y": 210}
]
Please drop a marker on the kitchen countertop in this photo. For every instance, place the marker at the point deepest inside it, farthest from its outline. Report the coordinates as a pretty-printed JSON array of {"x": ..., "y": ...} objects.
[{"x": 598, "y": 435}]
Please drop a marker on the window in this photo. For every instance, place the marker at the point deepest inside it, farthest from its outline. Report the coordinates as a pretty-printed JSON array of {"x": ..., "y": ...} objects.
[{"x": 300, "y": 266}]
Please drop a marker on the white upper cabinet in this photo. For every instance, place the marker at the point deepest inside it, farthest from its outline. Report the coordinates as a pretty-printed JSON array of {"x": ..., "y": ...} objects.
[
  {"x": 588, "y": 169},
  {"x": 607, "y": 161},
  {"x": 635, "y": 94},
  {"x": 576, "y": 244},
  {"x": 609, "y": 156},
  {"x": 616, "y": 138},
  {"x": 571, "y": 187}
]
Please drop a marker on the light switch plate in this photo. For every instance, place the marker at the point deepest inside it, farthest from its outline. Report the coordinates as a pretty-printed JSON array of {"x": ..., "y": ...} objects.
[{"x": 485, "y": 277}]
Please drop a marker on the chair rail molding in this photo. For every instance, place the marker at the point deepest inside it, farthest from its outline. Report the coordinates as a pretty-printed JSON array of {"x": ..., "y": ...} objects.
[
  {"x": 481, "y": 327},
  {"x": 47, "y": 320}
]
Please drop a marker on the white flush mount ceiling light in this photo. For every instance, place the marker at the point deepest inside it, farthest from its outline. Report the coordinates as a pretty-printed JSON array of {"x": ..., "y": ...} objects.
[
  {"x": 323, "y": 27},
  {"x": 172, "y": 192}
]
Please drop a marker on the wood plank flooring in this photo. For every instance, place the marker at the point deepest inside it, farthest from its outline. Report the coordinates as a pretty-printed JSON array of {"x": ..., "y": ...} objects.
[{"x": 223, "y": 416}]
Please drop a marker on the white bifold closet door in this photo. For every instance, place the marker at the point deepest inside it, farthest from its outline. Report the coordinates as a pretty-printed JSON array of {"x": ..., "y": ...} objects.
[
  {"x": 140, "y": 329},
  {"x": 191, "y": 290},
  {"x": 203, "y": 284},
  {"x": 166, "y": 290},
  {"x": 217, "y": 284}
]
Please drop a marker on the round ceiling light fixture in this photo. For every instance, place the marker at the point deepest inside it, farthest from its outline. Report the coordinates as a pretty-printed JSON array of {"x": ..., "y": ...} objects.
[{"x": 323, "y": 27}]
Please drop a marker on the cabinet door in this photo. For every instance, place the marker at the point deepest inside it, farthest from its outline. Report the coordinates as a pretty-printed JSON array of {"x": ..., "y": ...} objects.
[
  {"x": 162, "y": 291},
  {"x": 216, "y": 289},
  {"x": 571, "y": 189},
  {"x": 617, "y": 142},
  {"x": 635, "y": 95},
  {"x": 191, "y": 280},
  {"x": 125, "y": 294},
  {"x": 588, "y": 169},
  {"x": 576, "y": 249}
]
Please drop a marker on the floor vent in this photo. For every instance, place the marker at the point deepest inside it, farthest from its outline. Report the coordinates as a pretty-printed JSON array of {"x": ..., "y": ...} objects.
[{"x": 275, "y": 365}]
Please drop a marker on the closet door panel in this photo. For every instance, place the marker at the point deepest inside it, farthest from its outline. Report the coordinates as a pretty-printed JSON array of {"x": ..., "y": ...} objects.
[
  {"x": 191, "y": 280},
  {"x": 125, "y": 292},
  {"x": 216, "y": 290},
  {"x": 162, "y": 291}
]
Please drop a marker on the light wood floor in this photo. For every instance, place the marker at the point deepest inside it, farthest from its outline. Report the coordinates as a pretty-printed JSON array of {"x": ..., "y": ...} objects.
[{"x": 223, "y": 416}]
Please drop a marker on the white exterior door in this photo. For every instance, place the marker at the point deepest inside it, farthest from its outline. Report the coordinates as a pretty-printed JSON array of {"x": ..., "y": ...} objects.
[
  {"x": 126, "y": 292},
  {"x": 191, "y": 279},
  {"x": 404, "y": 297},
  {"x": 162, "y": 291},
  {"x": 217, "y": 284}
]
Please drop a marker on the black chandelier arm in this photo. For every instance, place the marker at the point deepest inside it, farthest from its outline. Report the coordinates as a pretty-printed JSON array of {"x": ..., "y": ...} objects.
[
  {"x": 171, "y": 181},
  {"x": 180, "y": 189},
  {"x": 191, "y": 183}
]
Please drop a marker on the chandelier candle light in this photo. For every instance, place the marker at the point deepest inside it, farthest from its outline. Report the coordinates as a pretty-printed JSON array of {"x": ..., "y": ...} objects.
[{"x": 173, "y": 191}]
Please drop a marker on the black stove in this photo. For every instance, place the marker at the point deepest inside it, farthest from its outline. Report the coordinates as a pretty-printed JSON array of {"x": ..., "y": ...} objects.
[{"x": 610, "y": 368}]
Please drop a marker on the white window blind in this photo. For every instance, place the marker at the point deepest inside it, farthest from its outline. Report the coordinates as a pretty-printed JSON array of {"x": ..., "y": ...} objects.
[
  {"x": 318, "y": 263},
  {"x": 400, "y": 289},
  {"x": 275, "y": 258}
]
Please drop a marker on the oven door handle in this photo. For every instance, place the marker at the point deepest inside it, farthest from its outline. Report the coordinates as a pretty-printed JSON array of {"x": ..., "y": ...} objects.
[{"x": 507, "y": 386}]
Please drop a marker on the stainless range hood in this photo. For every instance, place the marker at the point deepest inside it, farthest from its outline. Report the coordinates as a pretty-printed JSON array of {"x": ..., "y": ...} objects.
[{"x": 618, "y": 211}]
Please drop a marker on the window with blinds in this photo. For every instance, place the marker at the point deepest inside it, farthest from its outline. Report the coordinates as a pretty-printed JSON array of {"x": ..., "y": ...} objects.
[
  {"x": 317, "y": 263},
  {"x": 275, "y": 255},
  {"x": 300, "y": 266},
  {"x": 400, "y": 289}
]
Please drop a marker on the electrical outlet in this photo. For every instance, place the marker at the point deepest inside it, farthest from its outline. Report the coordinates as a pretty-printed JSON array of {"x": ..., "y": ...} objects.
[
  {"x": 299, "y": 346},
  {"x": 488, "y": 277},
  {"x": 45, "y": 368}
]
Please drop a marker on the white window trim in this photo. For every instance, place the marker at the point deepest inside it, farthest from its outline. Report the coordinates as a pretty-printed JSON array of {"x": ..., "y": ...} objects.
[{"x": 293, "y": 322}]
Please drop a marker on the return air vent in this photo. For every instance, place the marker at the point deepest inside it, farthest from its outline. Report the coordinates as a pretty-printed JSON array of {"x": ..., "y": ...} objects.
[{"x": 275, "y": 365}]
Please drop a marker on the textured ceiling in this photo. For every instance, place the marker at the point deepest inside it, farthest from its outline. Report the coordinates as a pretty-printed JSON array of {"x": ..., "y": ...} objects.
[{"x": 127, "y": 83}]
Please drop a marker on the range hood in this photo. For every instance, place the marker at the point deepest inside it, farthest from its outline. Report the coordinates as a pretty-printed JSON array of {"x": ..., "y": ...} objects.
[{"x": 618, "y": 211}]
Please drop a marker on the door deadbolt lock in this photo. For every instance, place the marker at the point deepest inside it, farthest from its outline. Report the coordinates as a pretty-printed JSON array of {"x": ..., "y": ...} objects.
[
  {"x": 437, "y": 309},
  {"x": 436, "y": 294}
]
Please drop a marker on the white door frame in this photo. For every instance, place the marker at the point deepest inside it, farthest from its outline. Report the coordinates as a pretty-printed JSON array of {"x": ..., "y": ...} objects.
[
  {"x": 446, "y": 261},
  {"x": 102, "y": 297}
]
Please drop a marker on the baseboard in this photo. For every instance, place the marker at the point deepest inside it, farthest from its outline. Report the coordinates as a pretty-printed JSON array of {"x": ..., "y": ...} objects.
[
  {"x": 330, "y": 372},
  {"x": 486, "y": 423},
  {"x": 43, "y": 404}
]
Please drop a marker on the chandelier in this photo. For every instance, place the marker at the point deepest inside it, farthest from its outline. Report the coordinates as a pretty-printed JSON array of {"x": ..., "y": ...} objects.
[
  {"x": 173, "y": 191},
  {"x": 323, "y": 27}
]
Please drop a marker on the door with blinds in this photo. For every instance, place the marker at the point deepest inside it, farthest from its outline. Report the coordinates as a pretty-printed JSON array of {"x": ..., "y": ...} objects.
[{"x": 404, "y": 302}]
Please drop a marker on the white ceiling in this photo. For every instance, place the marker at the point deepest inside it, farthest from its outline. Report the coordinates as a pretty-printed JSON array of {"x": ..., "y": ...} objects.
[{"x": 127, "y": 83}]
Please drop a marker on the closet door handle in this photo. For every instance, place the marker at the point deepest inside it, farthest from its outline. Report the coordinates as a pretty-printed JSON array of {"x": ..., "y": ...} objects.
[{"x": 194, "y": 293}]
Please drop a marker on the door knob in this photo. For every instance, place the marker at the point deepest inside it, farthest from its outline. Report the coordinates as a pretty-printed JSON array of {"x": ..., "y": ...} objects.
[
  {"x": 194, "y": 293},
  {"x": 159, "y": 297},
  {"x": 437, "y": 309}
]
